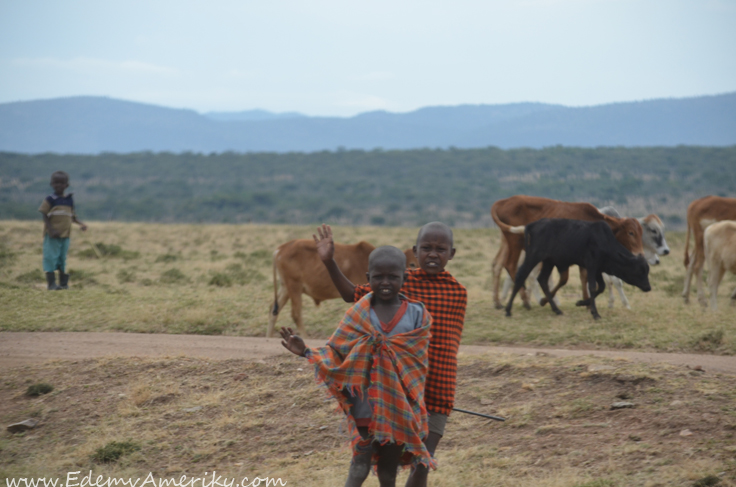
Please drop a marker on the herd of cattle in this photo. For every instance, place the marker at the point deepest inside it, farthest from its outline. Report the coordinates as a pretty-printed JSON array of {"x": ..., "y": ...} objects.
[{"x": 539, "y": 234}]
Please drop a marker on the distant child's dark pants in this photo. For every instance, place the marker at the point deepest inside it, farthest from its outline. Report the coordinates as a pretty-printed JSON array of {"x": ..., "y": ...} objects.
[{"x": 54, "y": 253}]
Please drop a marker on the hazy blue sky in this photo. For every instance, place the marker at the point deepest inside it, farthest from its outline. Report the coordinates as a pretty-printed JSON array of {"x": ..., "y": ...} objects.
[{"x": 325, "y": 57}]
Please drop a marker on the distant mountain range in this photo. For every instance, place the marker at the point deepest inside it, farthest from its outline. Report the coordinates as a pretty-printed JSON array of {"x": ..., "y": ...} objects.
[{"x": 98, "y": 124}]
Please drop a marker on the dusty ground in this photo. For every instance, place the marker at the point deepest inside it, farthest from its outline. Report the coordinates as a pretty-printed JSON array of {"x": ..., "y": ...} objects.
[
  {"x": 20, "y": 348},
  {"x": 267, "y": 417}
]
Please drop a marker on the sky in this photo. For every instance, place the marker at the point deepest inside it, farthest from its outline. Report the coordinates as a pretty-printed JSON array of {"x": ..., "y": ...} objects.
[{"x": 340, "y": 58}]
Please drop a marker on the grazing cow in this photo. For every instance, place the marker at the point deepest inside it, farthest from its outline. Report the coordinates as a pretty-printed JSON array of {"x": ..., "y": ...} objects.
[
  {"x": 654, "y": 244},
  {"x": 560, "y": 243},
  {"x": 720, "y": 252},
  {"x": 700, "y": 214},
  {"x": 522, "y": 210},
  {"x": 298, "y": 268}
]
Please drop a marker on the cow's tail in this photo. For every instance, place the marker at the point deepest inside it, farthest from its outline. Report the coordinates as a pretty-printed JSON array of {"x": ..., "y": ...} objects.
[
  {"x": 275, "y": 308},
  {"x": 494, "y": 214},
  {"x": 519, "y": 229},
  {"x": 687, "y": 244}
]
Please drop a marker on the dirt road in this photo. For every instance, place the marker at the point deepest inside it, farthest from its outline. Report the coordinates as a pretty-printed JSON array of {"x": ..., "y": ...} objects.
[{"x": 21, "y": 348}]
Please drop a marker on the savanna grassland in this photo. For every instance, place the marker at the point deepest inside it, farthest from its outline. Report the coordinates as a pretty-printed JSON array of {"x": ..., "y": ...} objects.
[
  {"x": 128, "y": 417},
  {"x": 217, "y": 280}
]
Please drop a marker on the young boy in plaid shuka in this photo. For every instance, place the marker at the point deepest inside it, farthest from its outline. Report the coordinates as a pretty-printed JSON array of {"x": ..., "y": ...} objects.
[
  {"x": 444, "y": 298},
  {"x": 376, "y": 364}
]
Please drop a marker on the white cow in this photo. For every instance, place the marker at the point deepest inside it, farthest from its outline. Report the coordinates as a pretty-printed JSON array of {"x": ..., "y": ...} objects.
[
  {"x": 720, "y": 254},
  {"x": 654, "y": 245}
]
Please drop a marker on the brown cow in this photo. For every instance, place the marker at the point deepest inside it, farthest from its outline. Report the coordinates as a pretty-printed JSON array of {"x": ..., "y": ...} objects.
[
  {"x": 700, "y": 214},
  {"x": 521, "y": 210},
  {"x": 299, "y": 269}
]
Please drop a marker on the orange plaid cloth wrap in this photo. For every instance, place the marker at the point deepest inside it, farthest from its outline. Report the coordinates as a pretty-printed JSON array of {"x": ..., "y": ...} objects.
[
  {"x": 446, "y": 300},
  {"x": 393, "y": 371}
]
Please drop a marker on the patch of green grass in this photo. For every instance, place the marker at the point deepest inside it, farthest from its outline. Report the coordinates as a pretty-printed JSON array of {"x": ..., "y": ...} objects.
[
  {"x": 173, "y": 276},
  {"x": 221, "y": 279},
  {"x": 38, "y": 389},
  {"x": 100, "y": 250},
  {"x": 168, "y": 257},
  {"x": 112, "y": 451},
  {"x": 6, "y": 256},
  {"x": 81, "y": 277},
  {"x": 31, "y": 277},
  {"x": 125, "y": 276}
]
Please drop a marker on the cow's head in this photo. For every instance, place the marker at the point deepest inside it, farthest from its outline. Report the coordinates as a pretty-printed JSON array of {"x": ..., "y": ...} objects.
[
  {"x": 633, "y": 270},
  {"x": 653, "y": 238},
  {"x": 628, "y": 231}
]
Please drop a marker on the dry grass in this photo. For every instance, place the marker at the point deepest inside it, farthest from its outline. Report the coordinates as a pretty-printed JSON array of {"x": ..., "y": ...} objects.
[
  {"x": 216, "y": 279},
  {"x": 269, "y": 418}
]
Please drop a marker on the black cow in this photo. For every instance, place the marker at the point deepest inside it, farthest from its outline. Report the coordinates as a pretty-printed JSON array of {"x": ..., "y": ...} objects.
[{"x": 559, "y": 242}]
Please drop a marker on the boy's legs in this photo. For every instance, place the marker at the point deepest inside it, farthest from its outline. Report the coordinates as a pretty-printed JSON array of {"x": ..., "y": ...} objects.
[
  {"x": 61, "y": 264},
  {"x": 360, "y": 466},
  {"x": 51, "y": 250},
  {"x": 418, "y": 475},
  {"x": 388, "y": 463}
]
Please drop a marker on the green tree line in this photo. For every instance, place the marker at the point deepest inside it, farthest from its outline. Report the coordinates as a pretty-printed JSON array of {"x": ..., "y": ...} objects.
[{"x": 378, "y": 187}]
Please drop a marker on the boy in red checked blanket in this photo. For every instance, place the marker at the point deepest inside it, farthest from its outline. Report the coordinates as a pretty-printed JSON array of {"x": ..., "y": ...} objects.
[
  {"x": 444, "y": 298},
  {"x": 375, "y": 364}
]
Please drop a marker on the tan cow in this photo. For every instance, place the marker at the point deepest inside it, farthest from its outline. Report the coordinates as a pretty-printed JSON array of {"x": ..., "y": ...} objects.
[
  {"x": 700, "y": 214},
  {"x": 521, "y": 210},
  {"x": 298, "y": 268},
  {"x": 720, "y": 252}
]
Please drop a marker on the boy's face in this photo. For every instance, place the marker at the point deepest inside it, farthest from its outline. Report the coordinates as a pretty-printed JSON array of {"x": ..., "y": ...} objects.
[
  {"x": 386, "y": 278},
  {"x": 59, "y": 184},
  {"x": 433, "y": 251}
]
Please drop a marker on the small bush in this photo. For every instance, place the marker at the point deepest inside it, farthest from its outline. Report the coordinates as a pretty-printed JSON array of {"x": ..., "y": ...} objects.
[
  {"x": 100, "y": 250},
  {"x": 6, "y": 256},
  {"x": 710, "y": 341},
  {"x": 173, "y": 276},
  {"x": 38, "y": 389},
  {"x": 113, "y": 451},
  {"x": 166, "y": 258},
  {"x": 221, "y": 280},
  {"x": 125, "y": 275},
  {"x": 79, "y": 276},
  {"x": 31, "y": 277}
]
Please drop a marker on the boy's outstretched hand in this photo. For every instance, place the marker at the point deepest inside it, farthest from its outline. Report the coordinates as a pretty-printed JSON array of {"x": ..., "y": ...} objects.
[
  {"x": 292, "y": 342},
  {"x": 325, "y": 244}
]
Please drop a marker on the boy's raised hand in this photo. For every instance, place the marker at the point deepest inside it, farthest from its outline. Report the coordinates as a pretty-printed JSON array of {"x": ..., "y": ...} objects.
[
  {"x": 325, "y": 244},
  {"x": 292, "y": 342}
]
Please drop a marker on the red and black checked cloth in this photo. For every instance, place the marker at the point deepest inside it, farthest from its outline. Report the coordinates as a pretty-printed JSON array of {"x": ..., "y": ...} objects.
[{"x": 446, "y": 300}]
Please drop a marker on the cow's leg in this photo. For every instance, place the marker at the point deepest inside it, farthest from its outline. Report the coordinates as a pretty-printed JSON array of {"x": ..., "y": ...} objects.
[
  {"x": 543, "y": 280},
  {"x": 714, "y": 280},
  {"x": 512, "y": 264},
  {"x": 610, "y": 280},
  {"x": 596, "y": 285},
  {"x": 620, "y": 288},
  {"x": 698, "y": 273},
  {"x": 508, "y": 285},
  {"x": 533, "y": 286},
  {"x": 564, "y": 276},
  {"x": 497, "y": 269},
  {"x": 733, "y": 297},
  {"x": 583, "y": 282},
  {"x": 295, "y": 294},
  {"x": 521, "y": 276},
  {"x": 281, "y": 299},
  {"x": 688, "y": 278}
]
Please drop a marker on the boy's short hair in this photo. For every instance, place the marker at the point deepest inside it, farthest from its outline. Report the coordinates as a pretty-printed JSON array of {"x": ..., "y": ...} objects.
[
  {"x": 387, "y": 253},
  {"x": 439, "y": 227},
  {"x": 60, "y": 174}
]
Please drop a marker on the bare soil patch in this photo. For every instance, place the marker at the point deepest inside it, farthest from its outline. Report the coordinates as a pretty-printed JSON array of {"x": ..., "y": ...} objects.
[{"x": 268, "y": 417}]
